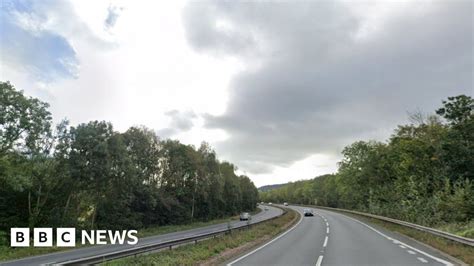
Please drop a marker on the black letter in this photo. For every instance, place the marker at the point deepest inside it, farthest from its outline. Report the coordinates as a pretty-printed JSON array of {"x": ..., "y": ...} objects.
[
  {"x": 62, "y": 237},
  {"x": 42, "y": 237},
  {"x": 20, "y": 235}
]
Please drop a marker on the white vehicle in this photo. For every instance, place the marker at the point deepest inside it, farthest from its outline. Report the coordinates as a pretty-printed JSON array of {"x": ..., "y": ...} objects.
[
  {"x": 285, "y": 203},
  {"x": 269, "y": 203},
  {"x": 245, "y": 216}
]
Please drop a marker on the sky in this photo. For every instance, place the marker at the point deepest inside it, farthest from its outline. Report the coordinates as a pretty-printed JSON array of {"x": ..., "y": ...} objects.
[{"x": 278, "y": 88}]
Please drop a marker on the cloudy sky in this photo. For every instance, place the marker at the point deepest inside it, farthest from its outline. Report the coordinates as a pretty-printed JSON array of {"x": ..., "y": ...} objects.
[{"x": 278, "y": 88}]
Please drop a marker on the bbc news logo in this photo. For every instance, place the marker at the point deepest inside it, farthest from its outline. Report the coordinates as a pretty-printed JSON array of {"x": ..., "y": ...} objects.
[{"x": 66, "y": 237}]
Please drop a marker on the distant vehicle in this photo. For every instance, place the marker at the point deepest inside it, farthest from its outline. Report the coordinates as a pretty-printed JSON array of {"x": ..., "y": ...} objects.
[
  {"x": 245, "y": 216},
  {"x": 269, "y": 203},
  {"x": 308, "y": 212},
  {"x": 285, "y": 203},
  {"x": 266, "y": 208},
  {"x": 262, "y": 202}
]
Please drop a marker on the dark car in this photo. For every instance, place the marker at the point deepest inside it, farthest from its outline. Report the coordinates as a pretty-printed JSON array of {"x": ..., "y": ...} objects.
[{"x": 308, "y": 212}]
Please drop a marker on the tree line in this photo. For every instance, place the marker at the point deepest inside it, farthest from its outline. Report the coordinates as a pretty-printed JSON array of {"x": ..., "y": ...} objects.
[
  {"x": 423, "y": 173},
  {"x": 91, "y": 176}
]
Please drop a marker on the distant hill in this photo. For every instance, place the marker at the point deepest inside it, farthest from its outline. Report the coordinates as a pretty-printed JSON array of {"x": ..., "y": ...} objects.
[{"x": 270, "y": 187}]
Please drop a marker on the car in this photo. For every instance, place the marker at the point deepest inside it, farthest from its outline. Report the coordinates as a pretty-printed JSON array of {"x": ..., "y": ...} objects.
[
  {"x": 266, "y": 208},
  {"x": 285, "y": 203},
  {"x": 245, "y": 216},
  {"x": 269, "y": 203},
  {"x": 308, "y": 212},
  {"x": 262, "y": 203}
]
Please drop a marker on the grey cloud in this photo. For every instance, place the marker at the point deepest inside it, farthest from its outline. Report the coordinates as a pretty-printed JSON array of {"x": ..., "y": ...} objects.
[
  {"x": 313, "y": 87},
  {"x": 181, "y": 121},
  {"x": 113, "y": 14}
]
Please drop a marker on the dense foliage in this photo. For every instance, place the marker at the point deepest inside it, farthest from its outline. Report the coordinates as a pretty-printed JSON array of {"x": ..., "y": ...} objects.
[
  {"x": 90, "y": 176},
  {"x": 424, "y": 173}
]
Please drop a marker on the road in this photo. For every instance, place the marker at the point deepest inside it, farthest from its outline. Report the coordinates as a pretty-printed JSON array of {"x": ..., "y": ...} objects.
[
  {"x": 55, "y": 258},
  {"x": 331, "y": 238}
]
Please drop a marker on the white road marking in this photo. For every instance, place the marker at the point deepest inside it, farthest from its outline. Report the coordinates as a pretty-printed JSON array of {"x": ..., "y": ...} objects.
[
  {"x": 275, "y": 239},
  {"x": 402, "y": 246},
  {"x": 327, "y": 230},
  {"x": 327, "y": 224},
  {"x": 411, "y": 252},
  {"x": 325, "y": 242},
  {"x": 447, "y": 263},
  {"x": 422, "y": 260},
  {"x": 320, "y": 260}
]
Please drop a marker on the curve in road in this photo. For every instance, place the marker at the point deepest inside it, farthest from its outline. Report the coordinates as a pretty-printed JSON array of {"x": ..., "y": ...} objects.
[{"x": 331, "y": 238}]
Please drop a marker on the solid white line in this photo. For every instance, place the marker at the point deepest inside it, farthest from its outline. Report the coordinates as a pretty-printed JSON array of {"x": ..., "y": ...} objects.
[
  {"x": 320, "y": 260},
  {"x": 275, "y": 239},
  {"x": 411, "y": 252},
  {"x": 325, "y": 242},
  {"x": 447, "y": 263},
  {"x": 422, "y": 260}
]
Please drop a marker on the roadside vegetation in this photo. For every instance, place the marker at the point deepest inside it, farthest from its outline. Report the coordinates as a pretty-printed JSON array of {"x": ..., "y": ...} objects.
[
  {"x": 90, "y": 176},
  {"x": 424, "y": 173},
  {"x": 215, "y": 250}
]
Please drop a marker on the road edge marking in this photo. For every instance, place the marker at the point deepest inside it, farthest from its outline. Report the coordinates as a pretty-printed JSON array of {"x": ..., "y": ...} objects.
[
  {"x": 393, "y": 239},
  {"x": 268, "y": 243}
]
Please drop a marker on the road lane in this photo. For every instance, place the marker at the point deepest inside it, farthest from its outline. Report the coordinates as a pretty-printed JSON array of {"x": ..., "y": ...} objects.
[
  {"x": 331, "y": 238},
  {"x": 77, "y": 253}
]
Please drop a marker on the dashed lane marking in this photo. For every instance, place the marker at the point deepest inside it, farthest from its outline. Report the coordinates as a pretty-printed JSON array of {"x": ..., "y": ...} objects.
[
  {"x": 422, "y": 260},
  {"x": 320, "y": 260}
]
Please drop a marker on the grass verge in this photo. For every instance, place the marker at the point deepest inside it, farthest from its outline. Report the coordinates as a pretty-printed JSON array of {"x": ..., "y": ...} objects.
[
  {"x": 9, "y": 253},
  {"x": 216, "y": 250},
  {"x": 459, "y": 251},
  {"x": 461, "y": 229}
]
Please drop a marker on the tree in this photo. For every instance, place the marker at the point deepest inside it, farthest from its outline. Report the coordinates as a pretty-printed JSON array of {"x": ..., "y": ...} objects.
[{"x": 25, "y": 122}]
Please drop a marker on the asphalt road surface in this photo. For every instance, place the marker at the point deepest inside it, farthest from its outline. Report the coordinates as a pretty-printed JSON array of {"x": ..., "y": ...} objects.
[
  {"x": 331, "y": 238},
  {"x": 54, "y": 258}
]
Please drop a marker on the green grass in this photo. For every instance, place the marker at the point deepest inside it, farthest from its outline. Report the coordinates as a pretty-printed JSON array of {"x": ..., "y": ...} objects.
[
  {"x": 9, "y": 253},
  {"x": 460, "y": 229},
  {"x": 214, "y": 249}
]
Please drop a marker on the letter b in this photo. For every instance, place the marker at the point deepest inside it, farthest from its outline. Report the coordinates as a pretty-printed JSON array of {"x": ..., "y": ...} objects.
[
  {"x": 43, "y": 237},
  {"x": 20, "y": 237}
]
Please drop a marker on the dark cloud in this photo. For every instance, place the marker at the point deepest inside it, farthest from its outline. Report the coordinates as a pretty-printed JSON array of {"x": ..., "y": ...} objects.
[
  {"x": 316, "y": 87},
  {"x": 181, "y": 121},
  {"x": 313, "y": 86}
]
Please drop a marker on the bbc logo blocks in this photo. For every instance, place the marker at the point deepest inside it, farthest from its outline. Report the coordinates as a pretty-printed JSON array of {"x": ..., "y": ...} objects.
[
  {"x": 66, "y": 237},
  {"x": 20, "y": 237},
  {"x": 43, "y": 237}
]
